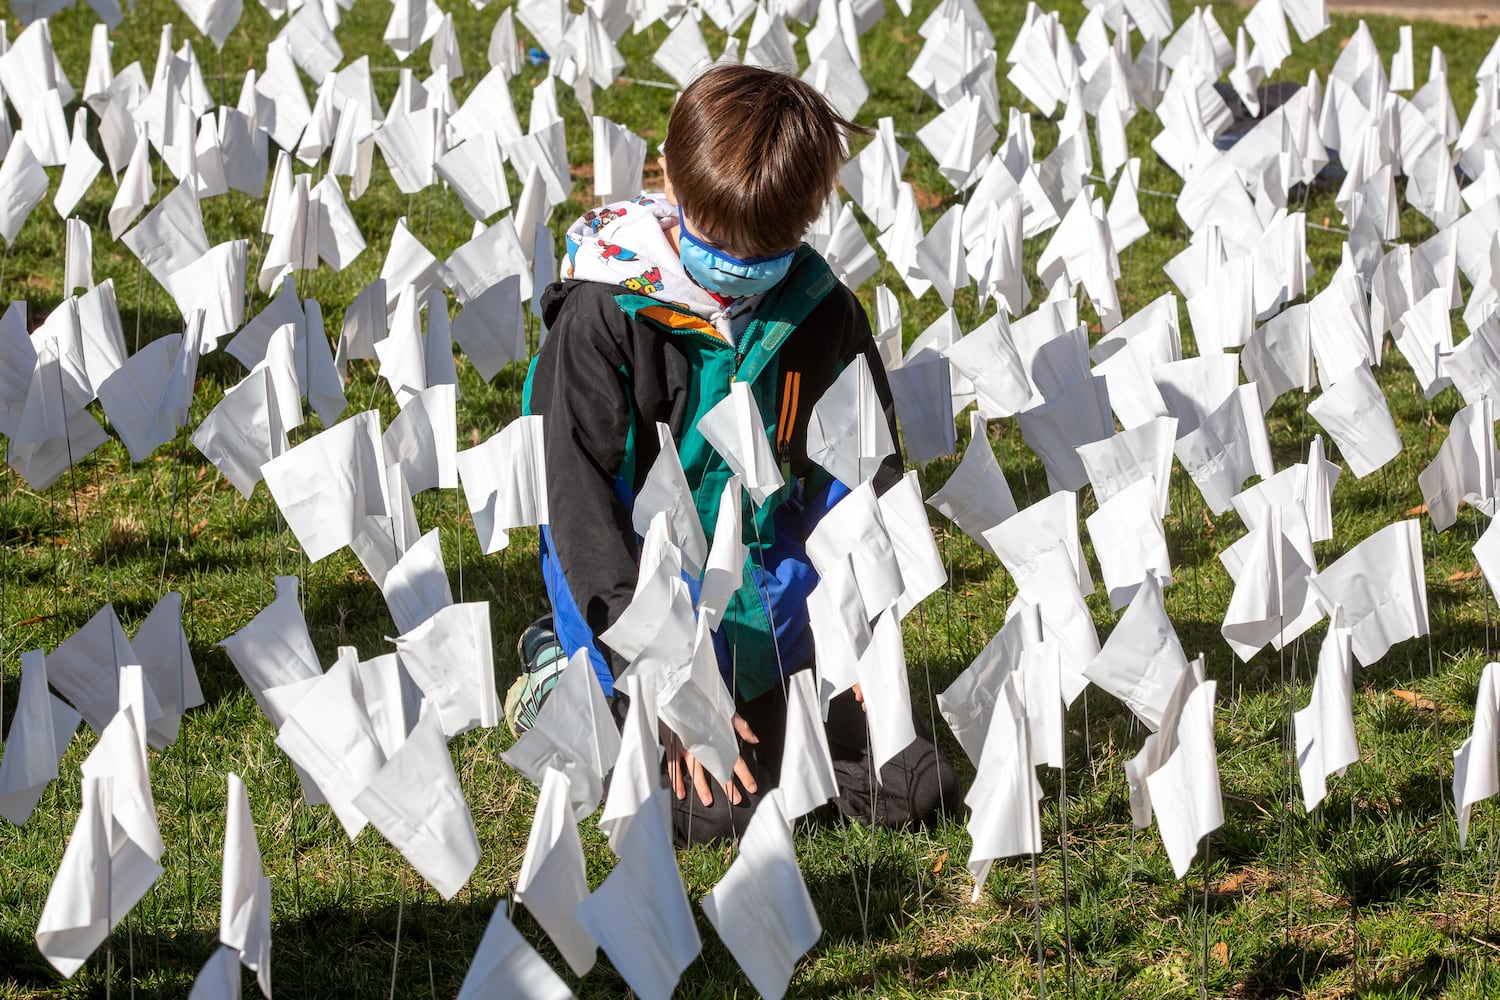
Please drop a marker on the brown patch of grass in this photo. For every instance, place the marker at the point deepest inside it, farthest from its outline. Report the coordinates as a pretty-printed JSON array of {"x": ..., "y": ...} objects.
[{"x": 126, "y": 536}]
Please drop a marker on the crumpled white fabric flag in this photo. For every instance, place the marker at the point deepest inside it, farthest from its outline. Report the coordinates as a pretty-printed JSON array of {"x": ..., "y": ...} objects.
[
  {"x": 213, "y": 284},
  {"x": 1005, "y": 814},
  {"x": 1051, "y": 523},
  {"x": 873, "y": 176},
  {"x": 619, "y": 156},
  {"x": 79, "y": 914},
  {"x": 171, "y": 236},
  {"x": 1129, "y": 355},
  {"x": 489, "y": 330},
  {"x": 119, "y": 845},
  {"x": 575, "y": 733},
  {"x": 327, "y": 485},
  {"x": 1380, "y": 585},
  {"x": 694, "y": 703},
  {"x": 505, "y": 481},
  {"x": 1339, "y": 325},
  {"x": 409, "y": 141},
  {"x": 245, "y": 903},
  {"x": 1129, "y": 541},
  {"x": 987, "y": 357},
  {"x": 1185, "y": 790},
  {"x": 916, "y": 551},
  {"x": 505, "y": 964},
  {"x": 1270, "y": 566},
  {"x": 1142, "y": 658},
  {"x": 407, "y": 262},
  {"x": 735, "y": 430},
  {"x": 451, "y": 658},
  {"x": 1040, "y": 673},
  {"x": 1228, "y": 447},
  {"x": 416, "y": 587},
  {"x": 635, "y": 789},
  {"x": 1158, "y": 746},
  {"x": 1308, "y": 485},
  {"x": 85, "y": 670},
  {"x": 922, "y": 391},
  {"x": 847, "y": 431},
  {"x": 1325, "y": 728},
  {"x": 1465, "y": 467},
  {"x": 423, "y": 440},
  {"x": 40, "y": 731},
  {"x": 219, "y": 979},
  {"x": 1354, "y": 412},
  {"x": 80, "y": 170},
  {"x": 976, "y": 496},
  {"x": 1077, "y": 415},
  {"x": 24, "y": 182},
  {"x": 887, "y": 693},
  {"x": 161, "y": 647},
  {"x": 656, "y": 630},
  {"x": 1474, "y": 365},
  {"x": 52, "y": 432},
  {"x": 403, "y": 355},
  {"x": 723, "y": 570},
  {"x": 840, "y": 626},
  {"x": 1194, "y": 388},
  {"x": 131, "y": 395},
  {"x": 1476, "y": 772},
  {"x": 472, "y": 169},
  {"x": 243, "y": 431},
  {"x": 552, "y": 881},
  {"x": 1424, "y": 336},
  {"x": 761, "y": 907},
  {"x": 1065, "y": 618},
  {"x": 329, "y": 736},
  {"x": 849, "y": 254},
  {"x": 967, "y": 703},
  {"x": 640, "y": 914},
  {"x": 135, "y": 190},
  {"x": 251, "y": 344},
  {"x": 1135, "y": 454},
  {"x": 274, "y": 648},
  {"x": 666, "y": 490},
  {"x": 855, "y": 529},
  {"x": 417, "y": 804},
  {"x": 807, "y": 776}
]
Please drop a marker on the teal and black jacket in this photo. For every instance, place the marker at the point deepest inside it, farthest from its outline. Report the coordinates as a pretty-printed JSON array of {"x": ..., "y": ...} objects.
[{"x": 615, "y": 363}]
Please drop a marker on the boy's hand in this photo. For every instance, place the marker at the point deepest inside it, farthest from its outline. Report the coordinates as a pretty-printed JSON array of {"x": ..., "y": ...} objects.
[{"x": 682, "y": 767}]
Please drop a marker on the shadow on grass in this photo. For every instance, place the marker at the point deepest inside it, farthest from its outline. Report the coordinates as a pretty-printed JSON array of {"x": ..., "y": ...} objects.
[
  {"x": 1289, "y": 968},
  {"x": 1385, "y": 875}
]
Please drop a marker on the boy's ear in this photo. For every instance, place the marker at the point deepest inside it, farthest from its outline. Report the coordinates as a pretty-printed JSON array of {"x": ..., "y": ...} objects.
[{"x": 666, "y": 180}]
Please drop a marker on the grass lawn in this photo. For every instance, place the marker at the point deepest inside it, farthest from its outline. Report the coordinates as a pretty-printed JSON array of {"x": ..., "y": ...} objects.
[{"x": 1370, "y": 896}]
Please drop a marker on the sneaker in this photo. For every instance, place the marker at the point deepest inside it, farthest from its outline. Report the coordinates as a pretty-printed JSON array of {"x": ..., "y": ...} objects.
[{"x": 542, "y": 662}]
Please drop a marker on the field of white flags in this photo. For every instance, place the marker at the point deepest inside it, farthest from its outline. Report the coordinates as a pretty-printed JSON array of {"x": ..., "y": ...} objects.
[{"x": 1190, "y": 319}]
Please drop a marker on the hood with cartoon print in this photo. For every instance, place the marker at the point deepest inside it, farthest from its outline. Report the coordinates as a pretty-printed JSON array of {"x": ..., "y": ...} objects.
[{"x": 625, "y": 244}]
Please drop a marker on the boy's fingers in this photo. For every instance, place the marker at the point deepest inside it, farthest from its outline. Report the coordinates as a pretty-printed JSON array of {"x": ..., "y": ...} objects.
[
  {"x": 700, "y": 780},
  {"x": 674, "y": 771},
  {"x": 742, "y": 772},
  {"x": 743, "y": 731}
]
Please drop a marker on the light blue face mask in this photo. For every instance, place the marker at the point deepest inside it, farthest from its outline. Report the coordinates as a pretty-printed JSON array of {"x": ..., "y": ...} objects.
[{"x": 726, "y": 275}]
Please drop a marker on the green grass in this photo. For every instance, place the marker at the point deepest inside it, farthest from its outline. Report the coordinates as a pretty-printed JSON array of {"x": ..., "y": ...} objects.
[{"x": 1370, "y": 895}]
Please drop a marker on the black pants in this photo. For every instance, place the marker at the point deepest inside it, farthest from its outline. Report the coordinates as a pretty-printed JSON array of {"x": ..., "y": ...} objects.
[{"x": 914, "y": 784}]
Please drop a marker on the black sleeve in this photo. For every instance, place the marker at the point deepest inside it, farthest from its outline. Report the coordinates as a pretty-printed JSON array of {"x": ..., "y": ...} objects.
[{"x": 581, "y": 391}]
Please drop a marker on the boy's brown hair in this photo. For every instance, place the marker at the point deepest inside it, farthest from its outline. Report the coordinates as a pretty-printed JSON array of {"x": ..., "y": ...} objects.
[{"x": 752, "y": 156}]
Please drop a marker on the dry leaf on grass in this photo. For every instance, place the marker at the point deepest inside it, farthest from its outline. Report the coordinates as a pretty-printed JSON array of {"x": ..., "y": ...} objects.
[{"x": 1415, "y": 700}]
